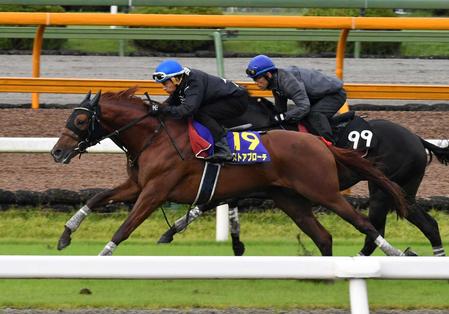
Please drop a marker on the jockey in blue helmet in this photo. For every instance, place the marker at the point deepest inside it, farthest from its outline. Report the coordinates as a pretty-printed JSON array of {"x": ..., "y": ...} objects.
[
  {"x": 168, "y": 69},
  {"x": 317, "y": 97},
  {"x": 209, "y": 99},
  {"x": 259, "y": 65}
]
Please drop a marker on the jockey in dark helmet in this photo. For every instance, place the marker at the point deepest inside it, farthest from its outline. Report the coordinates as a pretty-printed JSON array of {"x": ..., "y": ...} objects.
[
  {"x": 208, "y": 99},
  {"x": 317, "y": 96}
]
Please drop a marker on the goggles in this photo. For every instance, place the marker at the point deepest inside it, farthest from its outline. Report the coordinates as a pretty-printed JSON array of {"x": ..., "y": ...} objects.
[
  {"x": 161, "y": 76},
  {"x": 251, "y": 72}
]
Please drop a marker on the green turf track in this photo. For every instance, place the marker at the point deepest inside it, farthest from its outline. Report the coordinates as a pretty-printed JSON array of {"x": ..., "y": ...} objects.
[{"x": 36, "y": 233}]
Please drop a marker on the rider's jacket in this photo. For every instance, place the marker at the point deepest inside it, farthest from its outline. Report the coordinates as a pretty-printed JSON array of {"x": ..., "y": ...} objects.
[
  {"x": 301, "y": 86},
  {"x": 196, "y": 89}
]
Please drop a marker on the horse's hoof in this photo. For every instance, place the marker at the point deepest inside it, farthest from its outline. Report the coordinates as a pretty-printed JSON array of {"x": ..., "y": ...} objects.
[
  {"x": 167, "y": 237},
  {"x": 238, "y": 248},
  {"x": 409, "y": 252},
  {"x": 105, "y": 253},
  {"x": 65, "y": 239}
]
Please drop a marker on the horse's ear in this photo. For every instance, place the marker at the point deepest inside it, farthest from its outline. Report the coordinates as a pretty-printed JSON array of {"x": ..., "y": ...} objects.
[
  {"x": 86, "y": 99},
  {"x": 96, "y": 99}
]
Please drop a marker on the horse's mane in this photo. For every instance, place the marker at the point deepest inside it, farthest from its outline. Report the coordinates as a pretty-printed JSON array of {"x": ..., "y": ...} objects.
[{"x": 125, "y": 97}]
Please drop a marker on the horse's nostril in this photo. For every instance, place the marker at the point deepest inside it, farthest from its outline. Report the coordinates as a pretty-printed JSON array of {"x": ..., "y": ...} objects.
[{"x": 56, "y": 153}]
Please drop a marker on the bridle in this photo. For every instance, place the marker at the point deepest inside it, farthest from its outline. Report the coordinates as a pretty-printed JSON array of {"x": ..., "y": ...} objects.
[
  {"x": 90, "y": 136},
  {"x": 95, "y": 133}
]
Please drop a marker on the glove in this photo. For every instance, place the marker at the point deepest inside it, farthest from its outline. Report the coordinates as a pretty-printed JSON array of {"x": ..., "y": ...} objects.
[
  {"x": 279, "y": 117},
  {"x": 154, "y": 109}
]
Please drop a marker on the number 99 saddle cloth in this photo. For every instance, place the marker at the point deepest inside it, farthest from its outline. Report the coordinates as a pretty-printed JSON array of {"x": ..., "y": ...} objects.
[{"x": 352, "y": 131}]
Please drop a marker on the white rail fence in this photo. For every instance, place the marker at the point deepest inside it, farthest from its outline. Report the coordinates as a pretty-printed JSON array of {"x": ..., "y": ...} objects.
[
  {"x": 45, "y": 144},
  {"x": 354, "y": 269}
]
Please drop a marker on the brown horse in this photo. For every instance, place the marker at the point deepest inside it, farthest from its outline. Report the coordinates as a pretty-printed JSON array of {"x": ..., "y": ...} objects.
[{"x": 162, "y": 167}]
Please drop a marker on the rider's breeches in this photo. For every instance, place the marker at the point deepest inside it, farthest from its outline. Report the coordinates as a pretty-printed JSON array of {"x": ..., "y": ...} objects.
[
  {"x": 322, "y": 110},
  {"x": 212, "y": 115}
]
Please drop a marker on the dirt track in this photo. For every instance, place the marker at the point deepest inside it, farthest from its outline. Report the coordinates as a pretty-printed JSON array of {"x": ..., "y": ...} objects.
[{"x": 38, "y": 172}]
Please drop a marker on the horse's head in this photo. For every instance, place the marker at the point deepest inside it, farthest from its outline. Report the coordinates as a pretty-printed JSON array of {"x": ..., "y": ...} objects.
[{"x": 81, "y": 131}]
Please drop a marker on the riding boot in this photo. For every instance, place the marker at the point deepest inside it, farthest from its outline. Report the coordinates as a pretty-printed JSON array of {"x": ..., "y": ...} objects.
[{"x": 221, "y": 151}]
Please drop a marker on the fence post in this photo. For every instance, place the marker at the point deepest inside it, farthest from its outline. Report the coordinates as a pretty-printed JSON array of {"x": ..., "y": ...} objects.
[
  {"x": 219, "y": 53},
  {"x": 222, "y": 223},
  {"x": 36, "y": 71},
  {"x": 121, "y": 42},
  {"x": 358, "y": 294}
]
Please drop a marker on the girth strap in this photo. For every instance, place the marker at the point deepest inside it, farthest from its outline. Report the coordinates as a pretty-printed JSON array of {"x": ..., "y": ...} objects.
[{"x": 208, "y": 183}]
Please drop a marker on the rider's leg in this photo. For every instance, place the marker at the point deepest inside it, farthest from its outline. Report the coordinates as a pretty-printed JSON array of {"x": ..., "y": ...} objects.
[
  {"x": 221, "y": 148},
  {"x": 320, "y": 123},
  {"x": 322, "y": 110},
  {"x": 211, "y": 115}
]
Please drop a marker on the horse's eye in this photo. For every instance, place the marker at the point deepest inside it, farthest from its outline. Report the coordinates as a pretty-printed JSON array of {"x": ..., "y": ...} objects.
[{"x": 81, "y": 122}]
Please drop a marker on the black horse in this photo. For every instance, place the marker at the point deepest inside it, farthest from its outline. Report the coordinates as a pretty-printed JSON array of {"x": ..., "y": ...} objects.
[{"x": 400, "y": 153}]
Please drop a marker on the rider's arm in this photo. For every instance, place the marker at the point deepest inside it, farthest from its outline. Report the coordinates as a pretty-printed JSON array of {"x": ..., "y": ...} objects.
[
  {"x": 295, "y": 90},
  {"x": 170, "y": 101},
  {"x": 193, "y": 97}
]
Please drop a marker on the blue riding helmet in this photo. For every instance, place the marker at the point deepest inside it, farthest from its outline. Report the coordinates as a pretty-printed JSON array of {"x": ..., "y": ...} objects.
[
  {"x": 167, "y": 69},
  {"x": 259, "y": 65}
]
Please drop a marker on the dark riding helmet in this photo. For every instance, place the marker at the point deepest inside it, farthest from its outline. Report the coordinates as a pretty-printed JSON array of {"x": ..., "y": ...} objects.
[
  {"x": 168, "y": 69},
  {"x": 259, "y": 65}
]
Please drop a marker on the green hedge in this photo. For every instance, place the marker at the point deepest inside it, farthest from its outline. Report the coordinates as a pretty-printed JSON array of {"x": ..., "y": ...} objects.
[
  {"x": 27, "y": 43},
  {"x": 171, "y": 45},
  {"x": 367, "y": 48}
]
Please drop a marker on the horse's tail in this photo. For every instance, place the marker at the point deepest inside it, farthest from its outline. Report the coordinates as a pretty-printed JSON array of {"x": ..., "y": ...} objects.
[
  {"x": 352, "y": 160},
  {"x": 441, "y": 153}
]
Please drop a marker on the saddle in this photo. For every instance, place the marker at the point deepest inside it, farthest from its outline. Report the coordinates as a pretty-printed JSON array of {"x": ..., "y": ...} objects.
[
  {"x": 352, "y": 131},
  {"x": 246, "y": 146}
]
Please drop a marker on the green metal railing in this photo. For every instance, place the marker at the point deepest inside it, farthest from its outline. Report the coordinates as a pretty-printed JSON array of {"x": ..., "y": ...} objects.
[
  {"x": 228, "y": 34},
  {"x": 385, "y": 4}
]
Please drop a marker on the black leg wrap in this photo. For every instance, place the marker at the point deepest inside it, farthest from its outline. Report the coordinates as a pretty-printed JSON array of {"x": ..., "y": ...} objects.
[{"x": 237, "y": 246}]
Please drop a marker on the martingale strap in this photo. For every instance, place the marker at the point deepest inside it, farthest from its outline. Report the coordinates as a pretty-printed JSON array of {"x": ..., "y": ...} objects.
[{"x": 208, "y": 183}]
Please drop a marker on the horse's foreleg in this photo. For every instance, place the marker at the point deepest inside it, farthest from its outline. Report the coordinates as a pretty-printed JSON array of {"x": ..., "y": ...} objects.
[
  {"x": 147, "y": 202},
  {"x": 124, "y": 192}
]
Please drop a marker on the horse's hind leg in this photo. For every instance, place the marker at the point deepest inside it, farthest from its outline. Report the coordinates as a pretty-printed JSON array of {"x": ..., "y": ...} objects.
[
  {"x": 428, "y": 226},
  {"x": 380, "y": 204},
  {"x": 341, "y": 207},
  {"x": 125, "y": 192},
  {"x": 234, "y": 223},
  {"x": 299, "y": 210},
  {"x": 182, "y": 223},
  {"x": 421, "y": 219}
]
